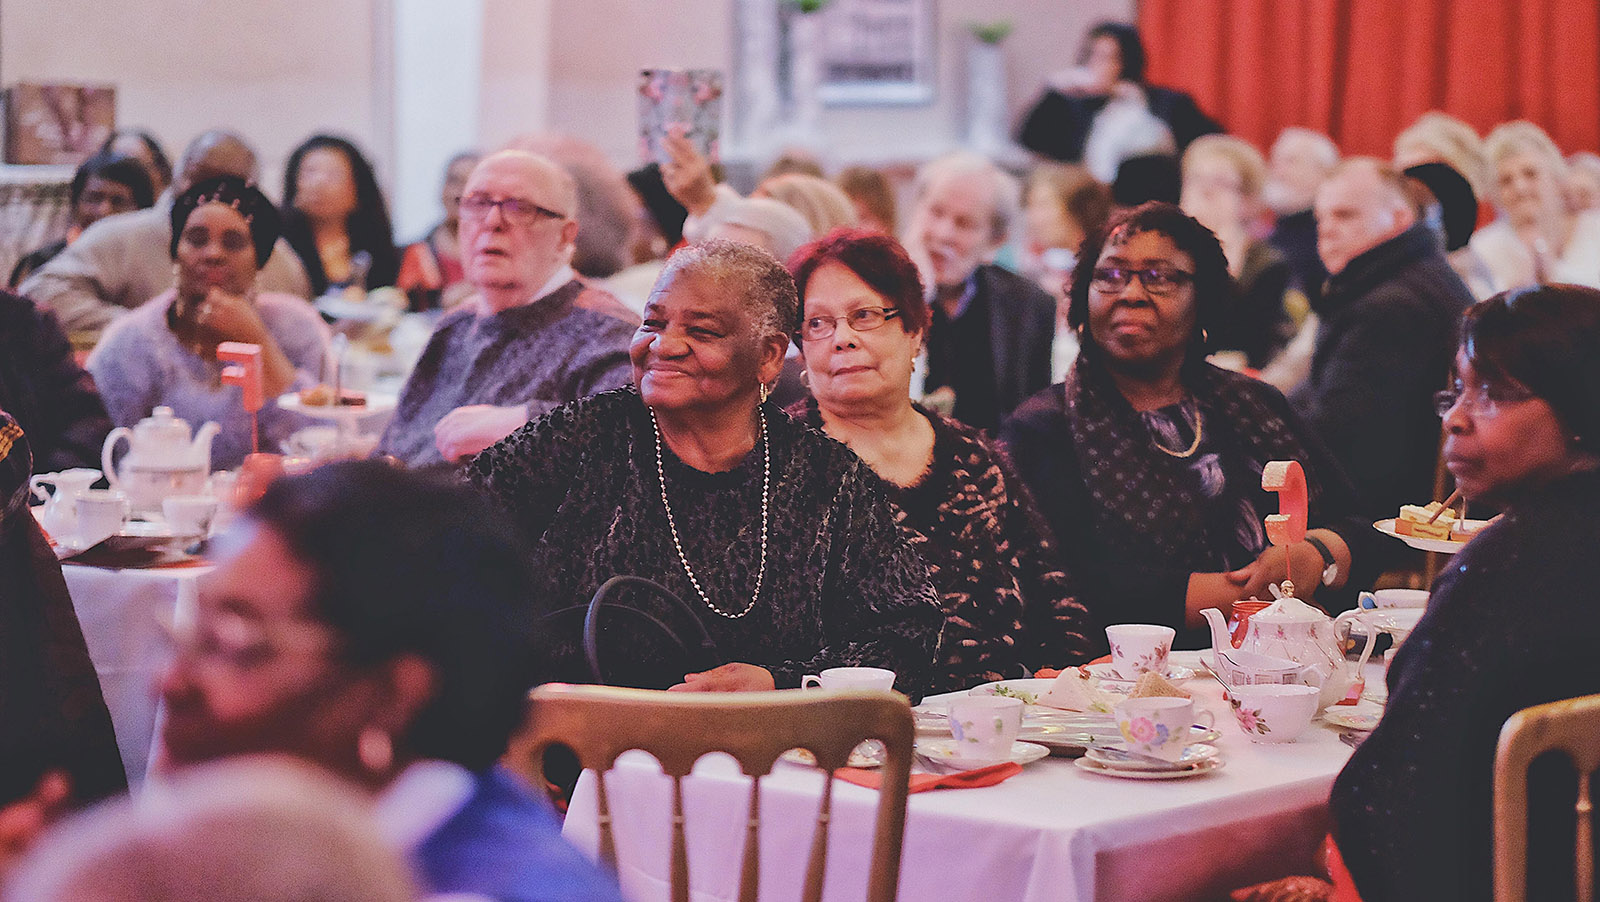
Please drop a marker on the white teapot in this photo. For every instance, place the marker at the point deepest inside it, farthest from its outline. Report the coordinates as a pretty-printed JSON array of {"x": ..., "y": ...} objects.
[
  {"x": 1292, "y": 630},
  {"x": 162, "y": 459}
]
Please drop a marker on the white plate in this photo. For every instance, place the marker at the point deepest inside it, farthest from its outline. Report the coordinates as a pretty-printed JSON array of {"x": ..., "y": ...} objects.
[
  {"x": 1095, "y": 767},
  {"x": 868, "y": 754},
  {"x": 950, "y": 753},
  {"x": 1195, "y": 755},
  {"x": 1363, "y": 716},
  {"x": 1443, "y": 546},
  {"x": 1107, "y": 673},
  {"x": 1027, "y": 690},
  {"x": 376, "y": 404}
]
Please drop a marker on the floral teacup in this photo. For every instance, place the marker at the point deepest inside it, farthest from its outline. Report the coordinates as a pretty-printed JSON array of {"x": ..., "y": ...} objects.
[
  {"x": 1158, "y": 725},
  {"x": 1273, "y": 713},
  {"x": 1139, "y": 647}
]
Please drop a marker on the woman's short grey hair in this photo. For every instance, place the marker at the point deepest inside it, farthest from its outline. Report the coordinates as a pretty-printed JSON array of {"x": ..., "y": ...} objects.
[
  {"x": 764, "y": 288},
  {"x": 1523, "y": 136},
  {"x": 1004, "y": 188},
  {"x": 234, "y": 831}
]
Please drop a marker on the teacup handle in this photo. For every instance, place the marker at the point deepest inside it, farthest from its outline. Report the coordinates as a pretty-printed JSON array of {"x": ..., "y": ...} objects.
[
  {"x": 1367, "y": 601},
  {"x": 1206, "y": 718},
  {"x": 811, "y": 681},
  {"x": 37, "y": 484}
]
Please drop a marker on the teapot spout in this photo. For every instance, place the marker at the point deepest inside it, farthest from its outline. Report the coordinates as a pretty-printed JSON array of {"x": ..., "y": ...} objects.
[
  {"x": 1219, "y": 628},
  {"x": 201, "y": 447}
]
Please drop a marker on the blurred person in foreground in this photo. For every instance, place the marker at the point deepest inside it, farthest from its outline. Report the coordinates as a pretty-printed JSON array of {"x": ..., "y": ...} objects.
[
  {"x": 42, "y": 385},
  {"x": 103, "y": 185},
  {"x": 780, "y": 540},
  {"x": 989, "y": 341},
  {"x": 531, "y": 337},
  {"x": 376, "y": 622},
  {"x": 122, "y": 261},
  {"x": 57, "y": 744},
  {"x": 1147, "y": 461},
  {"x": 238, "y": 831},
  {"x": 1510, "y": 623},
  {"x": 1384, "y": 338},
  {"x": 1008, "y": 604}
]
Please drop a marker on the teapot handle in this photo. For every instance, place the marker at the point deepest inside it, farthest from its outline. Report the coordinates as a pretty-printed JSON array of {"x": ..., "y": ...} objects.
[
  {"x": 37, "y": 483},
  {"x": 121, "y": 432},
  {"x": 1349, "y": 619}
]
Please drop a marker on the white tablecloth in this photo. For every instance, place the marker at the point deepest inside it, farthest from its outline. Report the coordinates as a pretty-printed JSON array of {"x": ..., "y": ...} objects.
[
  {"x": 1052, "y": 833},
  {"x": 122, "y": 612}
]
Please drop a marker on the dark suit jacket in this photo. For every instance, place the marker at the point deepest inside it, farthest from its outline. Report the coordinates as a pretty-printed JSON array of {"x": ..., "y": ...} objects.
[
  {"x": 1022, "y": 325},
  {"x": 1384, "y": 345}
]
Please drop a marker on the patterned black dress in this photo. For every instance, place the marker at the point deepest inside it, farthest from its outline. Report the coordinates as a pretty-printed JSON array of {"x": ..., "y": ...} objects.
[
  {"x": 1009, "y": 605},
  {"x": 841, "y": 587}
]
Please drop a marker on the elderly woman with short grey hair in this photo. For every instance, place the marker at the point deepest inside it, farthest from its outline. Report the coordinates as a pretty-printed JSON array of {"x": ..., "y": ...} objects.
[{"x": 780, "y": 540}]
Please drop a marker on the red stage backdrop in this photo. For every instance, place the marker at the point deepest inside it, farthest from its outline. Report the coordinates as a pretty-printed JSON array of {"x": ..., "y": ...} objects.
[{"x": 1362, "y": 70}]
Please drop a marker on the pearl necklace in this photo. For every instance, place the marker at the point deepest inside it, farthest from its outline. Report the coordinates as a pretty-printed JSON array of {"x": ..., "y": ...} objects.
[{"x": 766, "y": 481}]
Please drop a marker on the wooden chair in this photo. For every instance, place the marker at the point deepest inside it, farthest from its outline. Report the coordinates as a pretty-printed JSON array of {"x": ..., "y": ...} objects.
[
  {"x": 599, "y": 723},
  {"x": 1573, "y": 727}
]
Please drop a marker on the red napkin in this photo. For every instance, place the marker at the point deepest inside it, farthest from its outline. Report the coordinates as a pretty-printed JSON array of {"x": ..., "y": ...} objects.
[{"x": 967, "y": 779}]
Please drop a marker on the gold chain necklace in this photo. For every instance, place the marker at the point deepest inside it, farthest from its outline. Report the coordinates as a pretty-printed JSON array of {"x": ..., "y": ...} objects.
[{"x": 1194, "y": 446}]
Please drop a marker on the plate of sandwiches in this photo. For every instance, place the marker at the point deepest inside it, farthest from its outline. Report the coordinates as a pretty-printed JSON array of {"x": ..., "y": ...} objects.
[{"x": 1447, "y": 533}]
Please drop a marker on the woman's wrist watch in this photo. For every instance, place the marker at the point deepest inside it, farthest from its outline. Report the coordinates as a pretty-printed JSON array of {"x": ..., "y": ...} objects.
[{"x": 1330, "y": 564}]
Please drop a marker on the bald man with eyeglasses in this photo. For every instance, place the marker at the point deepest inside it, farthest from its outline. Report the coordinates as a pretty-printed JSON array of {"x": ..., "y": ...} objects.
[{"x": 530, "y": 337}]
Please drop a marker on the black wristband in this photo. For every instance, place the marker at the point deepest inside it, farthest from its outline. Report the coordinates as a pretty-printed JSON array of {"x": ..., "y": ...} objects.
[{"x": 1328, "y": 559}]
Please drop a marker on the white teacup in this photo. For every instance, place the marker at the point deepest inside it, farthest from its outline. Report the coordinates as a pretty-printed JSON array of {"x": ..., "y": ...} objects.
[
  {"x": 1157, "y": 725},
  {"x": 101, "y": 514},
  {"x": 1395, "y": 598},
  {"x": 1139, "y": 648},
  {"x": 985, "y": 726},
  {"x": 189, "y": 515},
  {"x": 850, "y": 678},
  {"x": 1273, "y": 713}
]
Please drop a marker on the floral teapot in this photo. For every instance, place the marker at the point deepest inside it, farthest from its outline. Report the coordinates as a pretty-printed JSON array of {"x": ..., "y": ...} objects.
[
  {"x": 162, "y": 459},
  {"x": 1291, "y": 630}
]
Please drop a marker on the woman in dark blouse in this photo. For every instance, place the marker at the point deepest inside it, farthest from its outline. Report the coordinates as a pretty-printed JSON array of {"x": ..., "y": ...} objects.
[
  {"x": 1147, "y": 460},
  {"x": 1511, "y": 623},
  {"x": 781, "y": 539},
  {"x": 1008, "y": 605}
]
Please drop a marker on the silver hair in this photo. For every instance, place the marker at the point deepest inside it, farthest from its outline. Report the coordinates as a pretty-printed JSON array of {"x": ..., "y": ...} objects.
[
  {"x": 238, "y": 830},
  {"x": 1004, "y": 188},
  {"x": 763, "y": 286},
  {"x": 1327, "y": 151}
]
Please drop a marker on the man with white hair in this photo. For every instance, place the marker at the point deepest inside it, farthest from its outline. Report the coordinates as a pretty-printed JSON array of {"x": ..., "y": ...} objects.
[
  {"x": 1386, "y": 338},
  {"x": 990, "y": 336},
  {"x": 532, "y": 336},
  {"x": 1297, "y": 166},
  {"x": 124, "y": 260}
]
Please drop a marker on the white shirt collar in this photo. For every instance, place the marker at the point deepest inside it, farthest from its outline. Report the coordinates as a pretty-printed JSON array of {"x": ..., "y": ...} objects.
[
  {"x": 562, "y": 276},
  {"x": 420, "y": 800}
]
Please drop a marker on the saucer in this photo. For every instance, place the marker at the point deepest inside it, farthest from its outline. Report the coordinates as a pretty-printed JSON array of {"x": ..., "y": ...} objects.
[
  {"x": 1354, "y": 717},
  {"x": 1423, "y": 543},
  {"x": 1095, "y": 767},
  {"x": 1194, "y": 756},
  {"x": 950, "y": 753},
  {"x": 1108, "y": 673}
]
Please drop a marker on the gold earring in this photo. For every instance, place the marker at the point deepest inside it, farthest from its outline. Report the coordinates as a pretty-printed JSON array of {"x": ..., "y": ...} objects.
[{"x": 762, "y": 387}]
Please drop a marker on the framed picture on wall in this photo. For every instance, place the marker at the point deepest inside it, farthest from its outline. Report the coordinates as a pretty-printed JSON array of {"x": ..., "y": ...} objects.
[
  {"x": 57, "y": 123},
  {"x": 876, "y": 52}
]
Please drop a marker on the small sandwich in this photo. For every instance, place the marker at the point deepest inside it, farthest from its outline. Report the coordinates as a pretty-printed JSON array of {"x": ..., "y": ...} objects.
[
  {"x": 1152, "y": 684},
  {"x": 1413, "y": 521},
  {"x": 1075, "y": 690}
]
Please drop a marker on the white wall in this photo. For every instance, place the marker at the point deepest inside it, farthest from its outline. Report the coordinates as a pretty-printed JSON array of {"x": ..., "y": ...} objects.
[{"x": 277, "y": 71}]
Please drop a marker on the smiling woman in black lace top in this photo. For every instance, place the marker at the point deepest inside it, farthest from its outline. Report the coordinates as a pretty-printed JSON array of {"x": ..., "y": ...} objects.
[
  {"x": 781, "y": 539},
  {"x": 1008, "y": 604}
]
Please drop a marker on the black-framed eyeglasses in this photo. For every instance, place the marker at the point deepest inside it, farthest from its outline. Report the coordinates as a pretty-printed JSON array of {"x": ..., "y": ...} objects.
[
  {"x": 1484, "y": 400},
  {"x": 861, "y": 319},
  {"x": 1158, "y": 280},
  {"x": 514, "y": 209}
]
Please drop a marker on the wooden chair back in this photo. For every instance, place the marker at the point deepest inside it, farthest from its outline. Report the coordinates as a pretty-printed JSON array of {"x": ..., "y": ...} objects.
[
  {"x": 1573, "y": 727},
  {"x": 598, "y": 723}
]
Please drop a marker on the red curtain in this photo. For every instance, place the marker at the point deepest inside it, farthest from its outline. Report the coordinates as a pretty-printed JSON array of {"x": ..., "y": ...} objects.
[{"x": 1362, "y": 70}]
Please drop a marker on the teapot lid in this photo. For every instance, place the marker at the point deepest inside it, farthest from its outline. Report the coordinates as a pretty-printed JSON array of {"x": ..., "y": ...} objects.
[
  {"x": 1290, "y": 609},
  {"x": 162, "y": 421}
]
